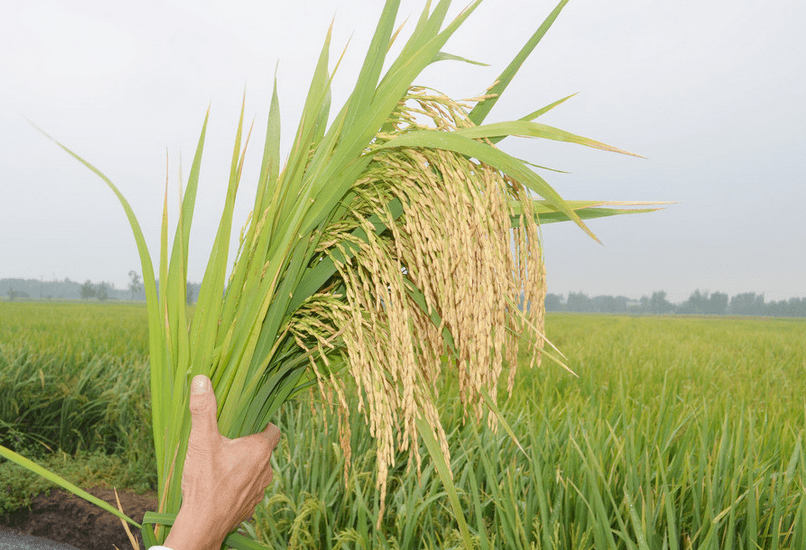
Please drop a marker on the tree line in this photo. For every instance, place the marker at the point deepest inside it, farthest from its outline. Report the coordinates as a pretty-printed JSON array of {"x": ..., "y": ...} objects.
[
  {"x": 699, "y": 303},
  {"x": 38, "y": 289}
]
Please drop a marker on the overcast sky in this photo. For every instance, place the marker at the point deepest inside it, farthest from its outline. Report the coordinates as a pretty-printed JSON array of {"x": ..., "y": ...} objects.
[{"x": 711, "y": 92}]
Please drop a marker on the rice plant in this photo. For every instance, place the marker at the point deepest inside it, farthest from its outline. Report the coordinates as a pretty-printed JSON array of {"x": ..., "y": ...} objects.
[
  {"x": 696, "y": 425},
  {"x": 74, "y": 377},
  {"x": 678, "y": 433},
  {"x": 396, "y": 244}
]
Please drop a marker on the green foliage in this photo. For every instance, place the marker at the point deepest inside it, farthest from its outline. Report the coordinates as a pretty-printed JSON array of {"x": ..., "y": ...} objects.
[
  {"x": 75, "y": 377},
  {"x": 678, "y": 433},
  {"x": 87, "y": 289},
  {"x": 102, "y": 290},
  {"x": 299, "y": 304},
  {"x": 284, "y": 302},
  {"x": 85, "y": 469},
  {"x": 70, "y": 332},
  {"x": 80, "y": 399}
]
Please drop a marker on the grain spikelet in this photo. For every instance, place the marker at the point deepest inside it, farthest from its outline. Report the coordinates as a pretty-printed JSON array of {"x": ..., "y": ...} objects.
[{"x": 439, "y": 281}]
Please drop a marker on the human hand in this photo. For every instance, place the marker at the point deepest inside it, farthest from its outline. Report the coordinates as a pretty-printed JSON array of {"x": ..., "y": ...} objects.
[{"x": 223, "y": 480}]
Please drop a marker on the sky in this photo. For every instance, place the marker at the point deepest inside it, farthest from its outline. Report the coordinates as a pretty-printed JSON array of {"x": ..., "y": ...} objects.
[{"x": 710, "y": 92}]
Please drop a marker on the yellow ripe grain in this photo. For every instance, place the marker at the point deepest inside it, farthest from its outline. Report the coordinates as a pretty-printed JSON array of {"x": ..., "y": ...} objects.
[{"x": 453, "y": 244}]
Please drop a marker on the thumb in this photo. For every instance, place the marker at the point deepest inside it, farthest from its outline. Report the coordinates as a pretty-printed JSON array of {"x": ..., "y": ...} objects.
[
  {"x": 203, "y": 408},
  {"x": 272, "y": 434}
]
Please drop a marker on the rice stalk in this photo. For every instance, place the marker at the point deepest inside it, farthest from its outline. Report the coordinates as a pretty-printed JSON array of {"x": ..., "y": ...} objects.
[
  {"x": 397, "y": 245},
  {"x": 432, "y": 290}
]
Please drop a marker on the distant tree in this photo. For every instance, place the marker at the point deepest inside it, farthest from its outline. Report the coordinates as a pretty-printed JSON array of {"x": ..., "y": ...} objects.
[
  {"x": 554, "y": 302},
  {"x": 11, "y": 294},
  {"x": 717, "y": 304},
  {"x": 695, "y": 305},
  {"x": 21, "y": 294},
  {"x": 659, "y": 305},
  {"x": 134, "y": 283},
  {"x": 748, "y": 303},
  {"x": 87, "y": 290},
  {"x": 192, "y": 293},
  {"x": 777, "y": 309},
  {"x": 623, "y": 303},
  {"x": 609, "y": 304},
  {"x": 102, "y": 291},
  {"x": 796, "y": 307},
  {"x": 579, "y": 301}
]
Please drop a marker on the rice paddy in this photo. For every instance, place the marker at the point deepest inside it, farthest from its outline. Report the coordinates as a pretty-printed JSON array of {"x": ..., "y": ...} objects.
[{"x": 677, "y": 433}]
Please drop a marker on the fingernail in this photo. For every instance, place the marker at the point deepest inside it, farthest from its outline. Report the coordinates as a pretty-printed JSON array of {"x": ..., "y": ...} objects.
[{"x": 199, "y": 385}]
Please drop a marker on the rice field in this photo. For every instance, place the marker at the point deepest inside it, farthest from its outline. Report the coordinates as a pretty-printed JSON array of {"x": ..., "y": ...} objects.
[
  {"x": 74, "y": 377},
  {"x": 677, "y": 433}
]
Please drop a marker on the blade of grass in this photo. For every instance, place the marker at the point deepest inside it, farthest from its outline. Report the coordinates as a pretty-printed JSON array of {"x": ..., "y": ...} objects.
[
  {"x": 443, "y": 56},
  {"x": 585, "y": 213},
  {"x": 501, "y": 419},
  {"x": 524, "y": 128},
  {"x": 443, "y": 470},
  {"x": 482, "y": 109},
  {"x": 451, "y": 141},
  {"x": 60, "y": 481}
]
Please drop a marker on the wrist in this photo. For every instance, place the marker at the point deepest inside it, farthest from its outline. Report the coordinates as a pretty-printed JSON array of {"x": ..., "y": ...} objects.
[{"x": 190, "y": 532}]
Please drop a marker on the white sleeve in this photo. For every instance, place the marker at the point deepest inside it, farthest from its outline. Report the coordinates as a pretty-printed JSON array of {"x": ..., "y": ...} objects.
[{"x": 159, "y": 548}]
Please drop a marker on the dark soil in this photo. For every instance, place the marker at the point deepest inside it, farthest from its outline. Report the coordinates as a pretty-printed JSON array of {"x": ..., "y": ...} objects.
[{"x": 63, "y": 517}]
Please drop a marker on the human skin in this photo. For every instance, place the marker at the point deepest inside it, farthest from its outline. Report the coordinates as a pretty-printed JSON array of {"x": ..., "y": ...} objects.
[{"x": 223, "y": 479}]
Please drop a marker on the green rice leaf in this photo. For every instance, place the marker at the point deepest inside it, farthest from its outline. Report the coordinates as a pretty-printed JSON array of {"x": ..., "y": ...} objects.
[
  {"x": 443, "y": 56},
  {"x": 525, "y": 128},
  {"x": 543, "y": 110},
  {"x": 209, "y": 305},
  {"x": 149, "y": 283},
  {"x": 482, "y": 109},
  {"x": 270, "y": 167},
  {"x": 373, "y": 64},
  {"x": 444, "y": 472},
  {"x": 586, "y": 210},
  {"x": 451, "y": 141},
  {"x": 501, "y": 419},
  {"x": 60, "y": 481}
]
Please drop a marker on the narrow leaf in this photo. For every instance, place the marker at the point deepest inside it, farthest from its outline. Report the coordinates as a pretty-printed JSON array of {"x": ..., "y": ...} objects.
[
  {"x": 443, "y": 469},
  {"x": 451, "y": 141},
  {"x": 443, "y": 56},
  {"x": 525, "y": 128},
  {"x": 482, "y": 109},
  {"x": 58, "y": 480}
]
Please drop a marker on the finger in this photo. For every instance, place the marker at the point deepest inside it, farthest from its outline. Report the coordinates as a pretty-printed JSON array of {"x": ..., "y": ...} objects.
[
  {"x": 272, "y": 434},
  {"x": 203, "y": 408}
]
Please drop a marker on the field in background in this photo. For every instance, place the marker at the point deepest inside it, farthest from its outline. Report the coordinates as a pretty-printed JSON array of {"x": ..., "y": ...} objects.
[
  {"x": 678, "y": 433},
  {"x": 74, "y": 378}
]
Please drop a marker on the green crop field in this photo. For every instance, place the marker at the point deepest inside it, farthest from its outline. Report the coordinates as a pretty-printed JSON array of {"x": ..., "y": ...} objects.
[
  {"x": 74, "y": 379},
  {"x": 677, "y": 433}
]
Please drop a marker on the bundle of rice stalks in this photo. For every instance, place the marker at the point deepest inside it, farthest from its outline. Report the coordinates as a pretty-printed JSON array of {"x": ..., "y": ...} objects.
[
  {"x": 397, "y": 243},
  {"x": 427, "y": 277}
]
